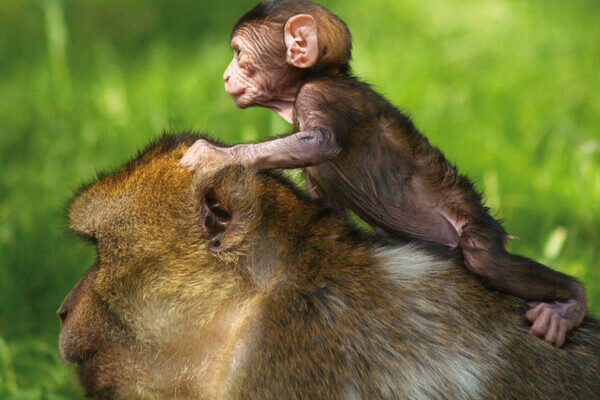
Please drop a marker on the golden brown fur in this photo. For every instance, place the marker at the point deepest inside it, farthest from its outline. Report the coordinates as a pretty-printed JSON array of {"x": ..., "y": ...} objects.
[{"x": 229, "y": 284}]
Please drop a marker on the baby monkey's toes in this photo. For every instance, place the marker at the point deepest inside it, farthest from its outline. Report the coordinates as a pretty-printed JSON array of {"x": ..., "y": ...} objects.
[{"x": 552, "y": 321}]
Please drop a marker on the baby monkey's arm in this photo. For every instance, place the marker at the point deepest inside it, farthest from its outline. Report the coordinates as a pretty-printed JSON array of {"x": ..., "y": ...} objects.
[{"x": 297, "y": 150}]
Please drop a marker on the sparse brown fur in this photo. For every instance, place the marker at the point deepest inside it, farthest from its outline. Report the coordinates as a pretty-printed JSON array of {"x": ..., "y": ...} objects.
[
  {"x": 290, "y": 303},
  {"x": 361, "y": 153},
  {"x": 335, "y": 43}
]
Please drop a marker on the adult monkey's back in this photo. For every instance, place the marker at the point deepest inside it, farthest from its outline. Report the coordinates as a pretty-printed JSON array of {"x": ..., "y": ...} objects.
[
  {"x": 363, "y": 154},
  {"x": 228, "y": 284}
]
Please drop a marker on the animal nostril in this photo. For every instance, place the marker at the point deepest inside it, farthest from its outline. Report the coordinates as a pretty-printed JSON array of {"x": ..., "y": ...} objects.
[
  {"x": 62, "y": 314},
  {"x": 226, "y": 78}
]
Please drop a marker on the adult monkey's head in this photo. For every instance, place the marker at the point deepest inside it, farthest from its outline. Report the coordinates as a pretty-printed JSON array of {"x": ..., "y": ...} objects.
[{"x": 278, "y": 44}]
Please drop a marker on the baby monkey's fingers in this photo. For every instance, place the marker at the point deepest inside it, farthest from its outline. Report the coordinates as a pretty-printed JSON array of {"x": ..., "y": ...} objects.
[
  {"x": 191, "y": 158},
  {"x": 552, "y": 321},
  {"x": 200, "y": 151}
]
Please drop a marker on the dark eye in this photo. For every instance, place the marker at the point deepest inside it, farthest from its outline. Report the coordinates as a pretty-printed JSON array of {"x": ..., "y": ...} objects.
[{"x": 237, "y": 51}]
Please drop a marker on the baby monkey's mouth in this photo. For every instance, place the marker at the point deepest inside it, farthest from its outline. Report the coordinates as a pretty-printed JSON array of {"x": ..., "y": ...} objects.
[{"x": 234, "y": 92}]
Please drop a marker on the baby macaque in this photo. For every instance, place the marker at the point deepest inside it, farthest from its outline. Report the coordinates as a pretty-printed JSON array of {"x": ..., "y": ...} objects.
[{"x": 361, "y": 153}]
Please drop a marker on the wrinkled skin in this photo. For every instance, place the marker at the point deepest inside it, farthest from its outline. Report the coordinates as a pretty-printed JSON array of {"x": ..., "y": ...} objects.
[{"x": 246, "y": 83}]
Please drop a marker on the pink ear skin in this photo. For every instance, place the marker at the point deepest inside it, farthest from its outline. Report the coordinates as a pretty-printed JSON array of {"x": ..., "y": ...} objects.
[{"x": 301, "y": 41}]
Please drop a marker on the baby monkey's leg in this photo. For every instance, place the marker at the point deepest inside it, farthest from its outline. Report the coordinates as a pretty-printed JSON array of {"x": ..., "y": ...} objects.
[{"x": 558, "y": 300}]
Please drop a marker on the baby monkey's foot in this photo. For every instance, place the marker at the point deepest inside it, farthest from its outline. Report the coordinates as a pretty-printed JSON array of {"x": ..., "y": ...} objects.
[
  {"x": 202, "y": 151},
  {"x": 552, "y": 321}
]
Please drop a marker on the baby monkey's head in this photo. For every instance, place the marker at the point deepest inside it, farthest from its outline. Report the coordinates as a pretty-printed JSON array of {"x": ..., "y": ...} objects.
[{"x": 278, "y": 44}]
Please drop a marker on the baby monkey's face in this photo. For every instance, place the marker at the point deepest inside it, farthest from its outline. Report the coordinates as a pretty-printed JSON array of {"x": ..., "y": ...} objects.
[
  {"x": 258, "y": 74},
  {"x": 239, "y": 77},
  {"x": 246, "y": 77}
]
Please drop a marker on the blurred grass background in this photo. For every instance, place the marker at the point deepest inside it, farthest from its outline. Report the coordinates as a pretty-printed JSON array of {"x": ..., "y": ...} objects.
[{"x": 508, "y": 89}]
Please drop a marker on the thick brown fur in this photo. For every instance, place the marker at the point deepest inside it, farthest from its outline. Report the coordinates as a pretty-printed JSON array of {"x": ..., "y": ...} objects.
[{"x": 229, "y": 284}]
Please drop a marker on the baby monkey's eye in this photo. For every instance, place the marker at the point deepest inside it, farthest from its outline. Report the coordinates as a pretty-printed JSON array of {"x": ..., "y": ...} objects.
[{"x": 237, "y": 51}]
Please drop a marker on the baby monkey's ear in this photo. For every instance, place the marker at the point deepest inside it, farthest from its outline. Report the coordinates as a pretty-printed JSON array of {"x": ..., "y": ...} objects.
[{"x": 301, "y": 41}]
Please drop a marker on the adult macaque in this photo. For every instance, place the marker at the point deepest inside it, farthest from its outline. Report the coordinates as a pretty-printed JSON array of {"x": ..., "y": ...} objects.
[
  {"x": 229, "y": 284},
  {"x": 361, "y": 153}
]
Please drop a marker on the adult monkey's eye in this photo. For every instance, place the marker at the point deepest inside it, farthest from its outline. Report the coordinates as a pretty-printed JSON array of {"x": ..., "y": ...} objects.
[{"x": 237, "y": 51}]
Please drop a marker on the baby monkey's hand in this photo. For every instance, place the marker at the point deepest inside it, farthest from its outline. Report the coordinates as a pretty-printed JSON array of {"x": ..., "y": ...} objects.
[{"x": 202, "y": 151}]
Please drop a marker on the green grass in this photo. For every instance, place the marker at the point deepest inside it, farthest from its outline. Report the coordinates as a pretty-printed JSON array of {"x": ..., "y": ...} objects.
[{"x": 508, "y": 89}]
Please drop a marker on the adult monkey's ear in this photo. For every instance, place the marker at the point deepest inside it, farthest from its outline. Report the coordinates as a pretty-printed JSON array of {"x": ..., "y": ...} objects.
[
  {"x": 229, "y": 206},
  {"x": 300, "y": 34}
]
